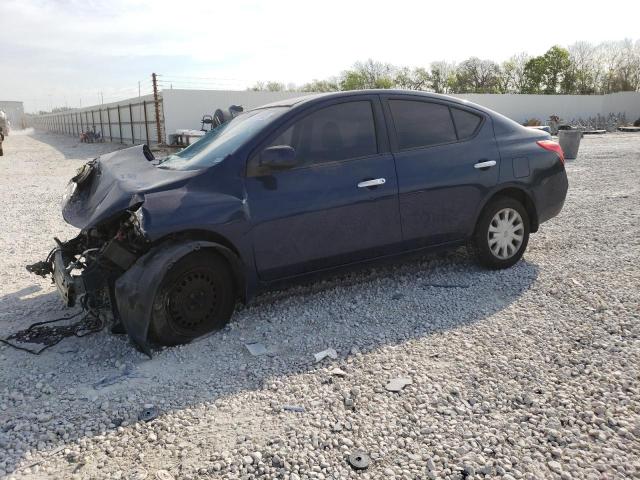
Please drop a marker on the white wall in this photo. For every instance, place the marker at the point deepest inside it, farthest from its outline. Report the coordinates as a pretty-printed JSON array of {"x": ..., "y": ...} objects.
[
  {"x": 568, "y": 107},
  {"x": 185, "y": 108}
]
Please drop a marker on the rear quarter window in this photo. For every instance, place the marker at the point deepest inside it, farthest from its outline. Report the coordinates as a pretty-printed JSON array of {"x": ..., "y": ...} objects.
[{"x": 467, "y": 123}]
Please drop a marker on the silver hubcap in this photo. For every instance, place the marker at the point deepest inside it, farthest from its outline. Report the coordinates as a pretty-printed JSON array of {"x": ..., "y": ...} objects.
[{"x": 506, "y": 232}]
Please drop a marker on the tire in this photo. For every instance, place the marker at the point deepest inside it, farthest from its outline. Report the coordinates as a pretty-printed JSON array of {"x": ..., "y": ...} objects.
[
  {"x": 196, "y": 296},
  {"x": 502, "y": 233}
]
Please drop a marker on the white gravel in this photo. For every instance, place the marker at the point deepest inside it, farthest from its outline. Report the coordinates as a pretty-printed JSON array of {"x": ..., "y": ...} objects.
[{"x": 526, "y": 373}]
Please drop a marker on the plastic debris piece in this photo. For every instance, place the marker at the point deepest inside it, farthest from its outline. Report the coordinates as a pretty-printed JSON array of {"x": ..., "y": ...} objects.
[
  {"x": 256, "y": 349},
  {"x": 329, "y": 352},
  {"x": 148, "y": 414},
  {"x": 397, "y": 384},
  {"x": 293, "y": 408},
  {"x": 164, "y": 475},
  {"x": 359, "y": 460},
  {"x": 348, "y": 403}
]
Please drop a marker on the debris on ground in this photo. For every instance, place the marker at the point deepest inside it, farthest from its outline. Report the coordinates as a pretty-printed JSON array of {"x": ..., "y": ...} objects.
[
  {"x": 359, "y": 460},
  {"x": 338, "y": 372},
  {"x": 150, "y": 412},
  {"x": 398, "y": 384},
  {"x": 256, "y": 349},
  {"x": 293, "y": 408},
  {"x": 329, "y": 352}
]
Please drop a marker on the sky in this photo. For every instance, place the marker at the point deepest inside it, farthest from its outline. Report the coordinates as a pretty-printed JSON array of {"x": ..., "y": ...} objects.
[{"x": 71, "y": 53}]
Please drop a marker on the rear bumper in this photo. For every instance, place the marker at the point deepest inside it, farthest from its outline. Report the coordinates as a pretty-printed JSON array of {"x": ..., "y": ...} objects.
[{"x": 551, "y": 195}]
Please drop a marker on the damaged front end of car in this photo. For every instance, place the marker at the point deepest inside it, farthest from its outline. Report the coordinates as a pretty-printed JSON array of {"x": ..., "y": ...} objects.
[
  {"x": 85, "y": 268},
  {"x": 104, "y": 200}
]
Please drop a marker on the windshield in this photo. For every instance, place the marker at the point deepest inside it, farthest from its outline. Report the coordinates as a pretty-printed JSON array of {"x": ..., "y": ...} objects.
[{"x": 222, "y": 141}]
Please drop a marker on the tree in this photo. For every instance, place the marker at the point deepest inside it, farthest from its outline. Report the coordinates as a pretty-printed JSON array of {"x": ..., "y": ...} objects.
[
  {"x": 625, "y": 70},
  {"x": 270, "y": 86},
  {"x": 329, "y": 85},
  {"x": 370, "y": 74},
  {"x": 512, "y": 77},
  {"x": 477, "y": 76},
  {"x": 416, "y": 79},
  {"x": 585, "y": 68},
  {"x": 549, "y": 73},
  {"x": 442, "y": 76},
  {"x": 534, "y": 71}
]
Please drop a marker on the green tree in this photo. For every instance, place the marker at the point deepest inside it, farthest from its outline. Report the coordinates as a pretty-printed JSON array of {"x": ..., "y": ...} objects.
[{"x": 550, "y": 73}]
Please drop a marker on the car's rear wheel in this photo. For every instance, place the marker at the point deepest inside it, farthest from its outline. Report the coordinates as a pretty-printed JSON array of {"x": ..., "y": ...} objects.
[
  {"x": 502, "y": 233},
  {"x": 196, "y": 296}
]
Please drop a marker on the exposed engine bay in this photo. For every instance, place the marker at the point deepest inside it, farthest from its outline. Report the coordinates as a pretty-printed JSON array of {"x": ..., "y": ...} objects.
[{"x": 85, "y": 268}]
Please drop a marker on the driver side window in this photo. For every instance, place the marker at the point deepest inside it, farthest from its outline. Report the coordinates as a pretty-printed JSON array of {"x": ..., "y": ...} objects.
[{"x": 335, "y": 133}]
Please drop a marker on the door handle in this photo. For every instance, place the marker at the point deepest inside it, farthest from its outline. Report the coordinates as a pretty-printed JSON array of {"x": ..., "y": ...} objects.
[
  {"x": 372, "y": 183},
  {"x": 487, "y": 164}
]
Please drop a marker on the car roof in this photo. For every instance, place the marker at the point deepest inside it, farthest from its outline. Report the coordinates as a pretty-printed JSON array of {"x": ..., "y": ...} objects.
[
  {"x": 503, "y": 123},
  {"x": 311, "y": 97}
]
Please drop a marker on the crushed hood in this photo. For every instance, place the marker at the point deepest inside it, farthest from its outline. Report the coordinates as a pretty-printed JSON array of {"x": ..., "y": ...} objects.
[{"x": 112, "y": 183}]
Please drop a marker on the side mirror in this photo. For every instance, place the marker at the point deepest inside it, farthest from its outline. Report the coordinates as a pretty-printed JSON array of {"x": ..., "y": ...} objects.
[{"x": 278, "y": 157}]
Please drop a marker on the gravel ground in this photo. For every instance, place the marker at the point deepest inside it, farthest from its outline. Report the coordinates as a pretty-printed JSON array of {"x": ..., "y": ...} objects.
[{"x": 526, "y": 373}]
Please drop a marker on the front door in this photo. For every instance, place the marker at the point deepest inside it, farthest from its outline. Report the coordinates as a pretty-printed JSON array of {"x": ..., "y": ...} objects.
[
  {"x": 447, "y": 162},
  {"x": 338, "y": 205}
]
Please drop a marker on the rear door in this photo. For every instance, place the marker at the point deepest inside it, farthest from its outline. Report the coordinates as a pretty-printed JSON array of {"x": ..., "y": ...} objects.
[
  {"x": 339, "y": 205},
  {"x": 447, "y": 162}
]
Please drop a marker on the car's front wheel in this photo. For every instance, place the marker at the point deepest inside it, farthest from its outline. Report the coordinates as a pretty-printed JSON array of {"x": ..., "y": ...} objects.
[
  {"x": 196, "y": 296},
  {"x": 502, "y": 233}
]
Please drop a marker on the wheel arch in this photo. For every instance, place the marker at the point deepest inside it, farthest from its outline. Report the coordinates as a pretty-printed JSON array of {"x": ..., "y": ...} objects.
[
  {"x": 517, "y": 193},
  {"x": 221, "y": 245}
]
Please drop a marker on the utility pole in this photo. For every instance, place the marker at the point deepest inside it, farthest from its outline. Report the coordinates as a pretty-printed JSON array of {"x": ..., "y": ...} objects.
[
  {"x": 138, "y": 88},
  {"x": 101, "y": 99},
  {"x": 154, "y": 80}
]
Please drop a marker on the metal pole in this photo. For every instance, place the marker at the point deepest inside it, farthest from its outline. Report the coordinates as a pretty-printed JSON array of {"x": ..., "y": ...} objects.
[
  {"x": 93, "y": 122},
  {"x": 133, "y": 141},
  {"x": 155, "y": 101},
  {"x": 120, "y": 124},
  {"x": 146, "y": 125},
  {"x": 81, "y": 126},
  {"x": 109, "y": 120},
  {"x": 101, "y": 129}
]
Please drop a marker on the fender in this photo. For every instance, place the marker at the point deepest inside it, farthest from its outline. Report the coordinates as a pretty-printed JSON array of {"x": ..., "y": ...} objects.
[
  {"x": 136, "y": 289},
  {"x": 523, "y": 188}
]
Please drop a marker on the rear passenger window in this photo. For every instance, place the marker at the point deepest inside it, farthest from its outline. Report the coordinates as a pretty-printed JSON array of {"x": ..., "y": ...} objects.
[
  {"x": 466, "y": 123},
  {"x": 420, "y": 124},
  {"x": 334, "y": 133}
]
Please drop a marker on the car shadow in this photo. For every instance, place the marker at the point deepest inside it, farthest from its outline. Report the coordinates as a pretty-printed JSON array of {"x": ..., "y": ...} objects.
[{"x": 365, "y": 310}]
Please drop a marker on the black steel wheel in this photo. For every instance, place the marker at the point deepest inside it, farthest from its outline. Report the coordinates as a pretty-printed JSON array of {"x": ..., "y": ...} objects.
[{"x": 196, "y": 296}]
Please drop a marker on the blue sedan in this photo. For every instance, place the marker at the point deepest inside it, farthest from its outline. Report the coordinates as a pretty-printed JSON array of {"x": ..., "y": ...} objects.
[{"x": 293, "y": 188}]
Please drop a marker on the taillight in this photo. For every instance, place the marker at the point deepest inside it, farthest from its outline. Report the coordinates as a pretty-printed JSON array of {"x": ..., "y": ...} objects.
[{"x": 552, "y": 147}]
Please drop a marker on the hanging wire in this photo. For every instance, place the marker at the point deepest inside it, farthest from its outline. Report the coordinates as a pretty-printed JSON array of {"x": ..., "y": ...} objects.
[{"x": 50, "y": 336}]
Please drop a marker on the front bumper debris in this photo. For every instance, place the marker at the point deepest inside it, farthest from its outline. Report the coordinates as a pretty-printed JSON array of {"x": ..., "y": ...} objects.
[{"x": 68, "y": 286}]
